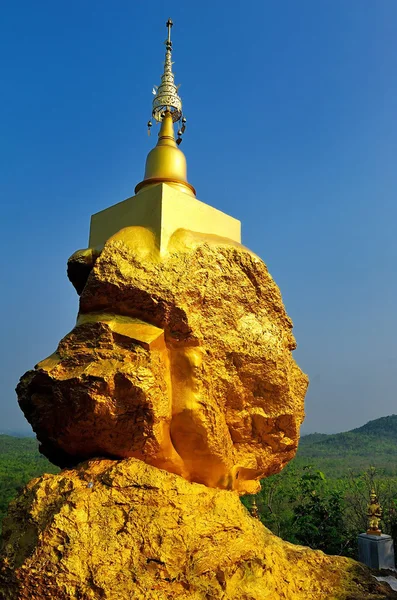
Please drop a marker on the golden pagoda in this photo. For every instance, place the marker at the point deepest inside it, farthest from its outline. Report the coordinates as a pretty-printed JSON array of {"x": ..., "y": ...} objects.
[
  {"x": 164, "y": 200},
  {"x": 174, "y": 394}
]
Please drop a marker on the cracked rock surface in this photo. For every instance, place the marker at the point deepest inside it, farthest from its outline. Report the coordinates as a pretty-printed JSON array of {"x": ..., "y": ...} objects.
[
  {"x": 121, "y": 530},
  {"x": 182, "y": 360}
]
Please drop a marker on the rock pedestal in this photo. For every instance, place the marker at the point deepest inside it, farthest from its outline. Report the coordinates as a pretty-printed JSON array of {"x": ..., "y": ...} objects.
[
  {"x": 181, "y": 359},
  {"x": 122, "y": 530},
  {"x": 376, "y": 551}
]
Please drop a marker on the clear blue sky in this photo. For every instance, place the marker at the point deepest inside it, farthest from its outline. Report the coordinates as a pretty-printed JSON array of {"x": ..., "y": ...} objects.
[{"x": 292, "y": 128}]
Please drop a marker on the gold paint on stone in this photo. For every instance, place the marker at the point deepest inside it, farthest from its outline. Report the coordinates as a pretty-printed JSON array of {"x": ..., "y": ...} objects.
[
  {"x": 122, "y": 530},
  {"x": 146, "y": 335},
  {"x": 181, "y": 359}
]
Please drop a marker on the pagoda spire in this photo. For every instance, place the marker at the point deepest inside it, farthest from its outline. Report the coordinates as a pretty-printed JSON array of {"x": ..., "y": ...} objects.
[
  {"x": 166, "y": 94},
  {"x": 166, "y": 163}
]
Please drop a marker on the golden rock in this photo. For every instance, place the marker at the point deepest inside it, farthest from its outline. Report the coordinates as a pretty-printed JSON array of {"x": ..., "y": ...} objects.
[
  {"x": 121, "y": 530},
  {"x": 182, "y": 359}
]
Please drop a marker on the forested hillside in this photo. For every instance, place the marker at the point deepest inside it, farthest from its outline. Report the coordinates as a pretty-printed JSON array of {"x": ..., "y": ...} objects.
[
  {"x": 373, "y": 444},
  {"x": 320, "y": 499},
  {"x": 20, "y": 461}
]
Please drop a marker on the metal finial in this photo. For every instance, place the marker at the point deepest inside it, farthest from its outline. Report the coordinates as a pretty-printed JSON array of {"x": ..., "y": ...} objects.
[
  {"x": 169, "y": 24},
  {"x": 167, "y": 98}
]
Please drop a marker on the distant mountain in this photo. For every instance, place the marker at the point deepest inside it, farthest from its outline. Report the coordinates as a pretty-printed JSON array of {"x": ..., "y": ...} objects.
[
  {"x": 385, "y": 426},
  {"x": 373, "y": 444},
  {"x": 22, "y": 433}
]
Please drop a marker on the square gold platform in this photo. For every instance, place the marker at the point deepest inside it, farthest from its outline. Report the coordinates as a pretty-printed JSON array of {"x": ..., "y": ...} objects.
[{"x": 163, "y": 210}]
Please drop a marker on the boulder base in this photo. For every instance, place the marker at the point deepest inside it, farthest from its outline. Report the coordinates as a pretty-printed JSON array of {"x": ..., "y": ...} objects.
[
  {"x": 181, "y": 359},
  {"x": 124, "y": 529}
]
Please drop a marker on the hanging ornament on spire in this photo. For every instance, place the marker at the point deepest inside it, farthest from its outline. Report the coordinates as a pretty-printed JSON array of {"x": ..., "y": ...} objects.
[{"x": 166, "y": 97}]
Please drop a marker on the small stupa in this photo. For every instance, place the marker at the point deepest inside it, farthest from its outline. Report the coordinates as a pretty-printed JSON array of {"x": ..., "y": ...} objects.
[{"x": 376, "y": 549}]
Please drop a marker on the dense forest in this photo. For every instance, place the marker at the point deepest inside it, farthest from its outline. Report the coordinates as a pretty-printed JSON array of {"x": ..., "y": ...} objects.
[
  {"x": 20, "y": 461},
  {"x": 319, "y": 500}
]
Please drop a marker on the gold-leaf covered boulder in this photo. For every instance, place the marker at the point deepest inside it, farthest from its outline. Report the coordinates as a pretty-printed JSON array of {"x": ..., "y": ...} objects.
[
  {"x": 122, "y": 530},
  {"x": 182, "y": 359}
]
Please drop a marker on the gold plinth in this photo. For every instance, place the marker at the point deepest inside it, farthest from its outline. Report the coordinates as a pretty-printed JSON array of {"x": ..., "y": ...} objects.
[{"x": 163, "y": 210}]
